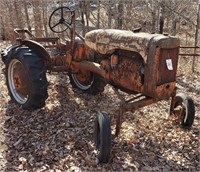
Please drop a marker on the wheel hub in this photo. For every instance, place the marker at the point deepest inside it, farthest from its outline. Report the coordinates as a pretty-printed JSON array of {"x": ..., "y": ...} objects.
[
  {"x": 179, "y": 112},
  {"x": 84, "y": 77},
  {"x": 18, "y": 81}
]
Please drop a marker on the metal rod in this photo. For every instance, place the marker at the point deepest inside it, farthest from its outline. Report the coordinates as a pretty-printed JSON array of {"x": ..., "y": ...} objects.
[
  {"x": 90, "y": 66},
  {"x": 191, "y": 47},
  {"x": 119, "y": 95},
  {"x": 139, "y": 104},
  {"x": 69, "y": 26},
  {"x": 196, "y": 35},
  {"x": 172, "y": 105},
  {"x": 125, "y": 107},
  {"x": 119, "y": 119},
  {"x": 189, "y": 55},
  {"x": 134, "y": 98}
]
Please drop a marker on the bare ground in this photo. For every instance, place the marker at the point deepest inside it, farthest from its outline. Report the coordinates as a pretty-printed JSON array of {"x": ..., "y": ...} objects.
[{"x": 59, "y": 137}]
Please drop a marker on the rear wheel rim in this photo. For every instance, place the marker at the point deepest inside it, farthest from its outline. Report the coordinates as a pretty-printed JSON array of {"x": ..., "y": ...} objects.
[{"x": 18, "y": 81}]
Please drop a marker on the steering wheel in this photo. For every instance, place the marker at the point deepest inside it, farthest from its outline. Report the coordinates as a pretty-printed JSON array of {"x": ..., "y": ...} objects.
[{"x": 60, "y": 19}]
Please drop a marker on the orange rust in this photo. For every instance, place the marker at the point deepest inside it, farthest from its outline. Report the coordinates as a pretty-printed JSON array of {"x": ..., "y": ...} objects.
[
  {"x": 20, "y": 80},
  {"x": 165, "y": 91},
  {"x": 84, "y": 76},
  {"x": 105, "y": 65},
  {"x": 127, "y": 74},
  {"x": 68, "y": 59},
  {"x": 164, "y": 74},
  {"x": 150, "y": 72},
  {"x": 89, "y": 66},
  {"x": 17, "y": 82},
  {"x": 81, "y": 52},
  {"x": 114, "y": 59}
]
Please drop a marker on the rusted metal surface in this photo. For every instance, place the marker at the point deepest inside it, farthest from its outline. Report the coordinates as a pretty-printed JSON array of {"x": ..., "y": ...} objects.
[
  {"x": 150, "y": 72},
  {"x": 81, "y": 51},
  {"x": 189, "y": 47},
  {"x": 160, "y": 69},
  {"x": 131, "y": 106},
  {"x": 119, "y": 119},
  {"x": 156, "y": 50},
  {"x": 153, "y": 78},
  {"x": 165, "y": 91},
  {"x": 84, "y": 76},
  {"x": 181, "y": 54},
  {"x": 172, "y": 104},
  {"x": 167, "y": 72},
  {"x": 128, "y": 72},
  {"x": 20, "y": 79},
  {"x": 90, "y": 66},
  {"x": 106, "y": 41}
]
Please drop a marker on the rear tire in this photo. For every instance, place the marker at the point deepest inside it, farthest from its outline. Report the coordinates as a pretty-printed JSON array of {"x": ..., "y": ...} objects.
[
  {"x": 26, "y": 78},
  {"x": 87, "y": 81}
]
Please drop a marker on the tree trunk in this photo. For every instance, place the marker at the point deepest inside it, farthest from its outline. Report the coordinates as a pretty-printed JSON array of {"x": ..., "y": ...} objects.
[
  {"x": 44, "y": 16},
  {"x": 82, "y": 17},
  {"x": 27, "y": 15},
  {"x": 161, "y": 19},
  {"x": 98, "y": 14},
  {"x": 37, "y": 18},
  {"x": 87, "y": 14},
  {"x": 19, "y": 18},
  {"x": 173, "y": 27},
  {"x": 196, "y": 36},
  {"x": 120, "y": 15},
  {"x": 153, "y": 21},
  {"x": 2, "y": 29},
  {"x": 109, "y": 15}
]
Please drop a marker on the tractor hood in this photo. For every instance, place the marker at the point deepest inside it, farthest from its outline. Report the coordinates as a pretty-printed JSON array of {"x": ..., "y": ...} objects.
[{"x": 106, "y": 41}]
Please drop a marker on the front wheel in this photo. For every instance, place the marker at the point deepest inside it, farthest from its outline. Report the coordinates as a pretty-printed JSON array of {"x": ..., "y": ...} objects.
[
  {"x": 102, "y": 136},
  {"x": 184, "y": 109},
  {"x": 26, "y": 78}
]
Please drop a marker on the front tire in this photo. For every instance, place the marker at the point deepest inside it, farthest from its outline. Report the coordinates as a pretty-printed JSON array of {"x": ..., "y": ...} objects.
[
  {"x": 102, "y": 136},
  {"x": 26, "y": 78},
  {"x": 184, "y": 109}
]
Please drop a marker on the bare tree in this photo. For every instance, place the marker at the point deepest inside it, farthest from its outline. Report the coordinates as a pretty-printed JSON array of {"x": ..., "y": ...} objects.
[
  {"x": 37, "y": 17},
  {"x": 44, "y": 16},
  {"x": 120, "y": 14},
  {"x": 28, "y": 22},
  {"x": 161, "y": 17}
]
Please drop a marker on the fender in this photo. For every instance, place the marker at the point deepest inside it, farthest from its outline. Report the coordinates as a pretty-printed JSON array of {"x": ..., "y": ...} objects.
[
  {"x": 5, "y": 53},
  {"x": 39, "y": 49}
]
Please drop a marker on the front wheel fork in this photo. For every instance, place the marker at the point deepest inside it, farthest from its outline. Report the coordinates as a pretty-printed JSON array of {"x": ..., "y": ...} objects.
[{"x": 172, "y": 105}]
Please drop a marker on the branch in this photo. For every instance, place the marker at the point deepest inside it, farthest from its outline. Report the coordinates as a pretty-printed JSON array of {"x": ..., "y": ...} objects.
[{"x": 172, "y": 10}]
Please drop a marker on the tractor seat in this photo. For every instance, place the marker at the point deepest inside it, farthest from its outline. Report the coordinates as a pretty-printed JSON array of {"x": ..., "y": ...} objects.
[{"x": 105, "y": 41}]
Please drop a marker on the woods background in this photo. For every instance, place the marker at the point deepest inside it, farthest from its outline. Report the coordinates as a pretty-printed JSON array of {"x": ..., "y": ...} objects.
[{"x": 59, "y": 137}]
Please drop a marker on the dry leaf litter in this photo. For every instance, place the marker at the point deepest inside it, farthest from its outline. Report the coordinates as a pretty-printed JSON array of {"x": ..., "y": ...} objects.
[{"x": 59, "y": 137}]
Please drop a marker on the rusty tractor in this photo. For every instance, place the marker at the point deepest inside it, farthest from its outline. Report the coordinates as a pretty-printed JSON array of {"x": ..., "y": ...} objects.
[{"x": 141, "y": 64}]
